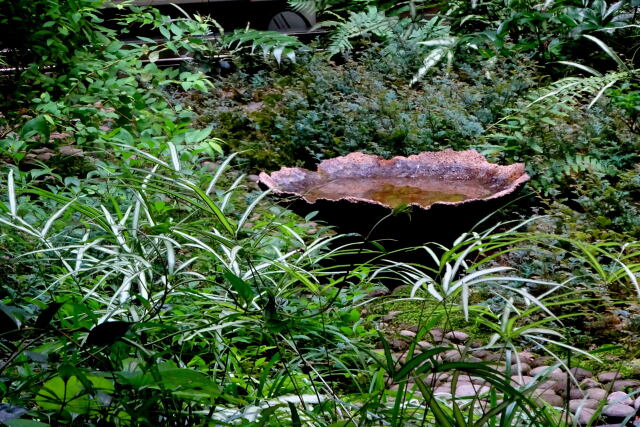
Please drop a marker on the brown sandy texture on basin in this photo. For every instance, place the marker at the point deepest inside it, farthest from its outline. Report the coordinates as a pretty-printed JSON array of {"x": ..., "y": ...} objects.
[{"x": 446, "y": 190}]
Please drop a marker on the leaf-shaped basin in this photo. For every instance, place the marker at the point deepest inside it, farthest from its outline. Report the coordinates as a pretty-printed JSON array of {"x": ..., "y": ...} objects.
[{"x": 445, "y": 190}]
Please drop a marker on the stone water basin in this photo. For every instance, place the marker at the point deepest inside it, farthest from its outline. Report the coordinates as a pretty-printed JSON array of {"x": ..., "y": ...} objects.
[{"x": 442, "y": 194}]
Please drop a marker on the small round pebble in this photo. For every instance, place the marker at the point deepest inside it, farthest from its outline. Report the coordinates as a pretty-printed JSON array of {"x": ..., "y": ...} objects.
[
  {"x": 558, "y": 375},
  {"x": 443, "y": 389},
  {"x": 526, "y": 357},
  {"x": 540, "y": 369},
  {"x": 585, "y": 415},
  {"x": 470, "y": 390},
  {"x": 521, "y": 380},
  {"x": 581, "y": 374},
  {"x": 596, "y": 393},
  {"x": 589, "y": 383},
  {"x": 436, "y": 334},
  {"x": 606, "y": 377},
  {"x": 574, "y": 404},
  {"x": 481, "y": 354},
  {"x": 452, "y": 356},
  {"x": 618, "y": 411},
  {"x": 425, "y": 345},
  {"x": 525, "y": 368},
  {"x": 456, "y": 336},
  {"x": 619, "y": 397},
  {"x": 620, "y": 385},
  {"x": 551, "y": 398},
  {"x": 435, "y": 379},
  {"x": 407, "y": 334},
  {"x": 576, "y": 393}
]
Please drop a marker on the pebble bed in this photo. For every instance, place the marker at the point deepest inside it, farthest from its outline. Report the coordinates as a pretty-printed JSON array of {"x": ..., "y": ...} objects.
[{"x": 602, "y": 399}]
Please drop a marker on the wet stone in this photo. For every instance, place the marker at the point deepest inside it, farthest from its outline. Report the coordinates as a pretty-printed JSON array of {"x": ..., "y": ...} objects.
[
  {"x": 574, "y": 393},
  {"x": 589, "y": 383},
  {"x": 596, "y": 393},
  {"x": 550, "y": 398},
  {"x": 547, "y": 385},
  {"x": 425, "y": 345},
  {"x": 390, "y": 315},
  {"x": 475, "y": 343},
  {"x": 574, "y": 404},
  {"x": 458, "y": 336},
  {"x": 546, "y": 369},
  {"x": 452, "y": 356},
  {"x": 559, "y": 376},
  {"x": 619, "y": 397},
  {"x": 481, "y": 354},
  {"x": 524, "y": 368},
  {"x": 526, "y": 357},
  {"x": 521, "y": 380},
  {"x": 620, "y": 385},
  {"x": 636, "y": 403},
  {"x": 407, "y": 334},
  {"x": 581, "y": 374},
  {"x": 585, "y": 415},
  {"x": 606, "y": 377},
  {"x": 443, "y": 389},
  {"x": 618, "y": 411},
  {"x": 437, "y": 334},
  {"x": 470, "y": 390},
  {"x": 398, "y": 344}
]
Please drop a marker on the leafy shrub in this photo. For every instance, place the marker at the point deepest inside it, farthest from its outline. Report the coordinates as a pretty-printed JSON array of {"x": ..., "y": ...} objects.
[
  {"x": 547, "y": 31},
  {"x": 47, "y": 34},
  {"x": 315, "y": 110}
]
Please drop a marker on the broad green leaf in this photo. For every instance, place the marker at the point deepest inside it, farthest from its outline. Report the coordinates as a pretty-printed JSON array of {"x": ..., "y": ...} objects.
[
  {"x": 243, "y": 289},
  {"x": 71, "y": 396}
]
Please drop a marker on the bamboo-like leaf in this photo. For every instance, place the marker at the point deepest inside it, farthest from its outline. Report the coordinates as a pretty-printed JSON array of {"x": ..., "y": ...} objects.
[
  {"x": 223, "y": 166},
  {"x": 630, "y": 275},
  {"x": 212, "y": 206},
  {"x": 175, "y": 159},
  {"x": 12, "y": 194},
  {"x": 582, "y": 67},
  {"x": 250, "y": 209},
  {"x": 434, "y": 406},
  {"x": 606, "y": 49},
  {"x": 601, "y": 92}
]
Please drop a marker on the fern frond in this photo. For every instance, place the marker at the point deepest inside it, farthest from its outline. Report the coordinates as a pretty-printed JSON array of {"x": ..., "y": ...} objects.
[
  {"x": 574, "y": 91},
  {"x": 356, "y": 25},
  {"x": 581, "y": 163},
  {"x": 269, "y": 42}
]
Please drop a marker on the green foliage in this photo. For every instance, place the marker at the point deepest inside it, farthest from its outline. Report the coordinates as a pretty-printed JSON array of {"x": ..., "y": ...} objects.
[
  {"x": 548, "y": 31},
  {"x": 316, "y": 110},
  {"x": 47, "y": 34},
  {"x": 357, "y": 24},
  {"x": 143, "y": 280},
  {"x": 269, "y": 42}
]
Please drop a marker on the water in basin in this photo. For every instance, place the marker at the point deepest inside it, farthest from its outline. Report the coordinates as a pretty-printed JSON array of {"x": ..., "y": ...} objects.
[{"x": 394, "y": 192}]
